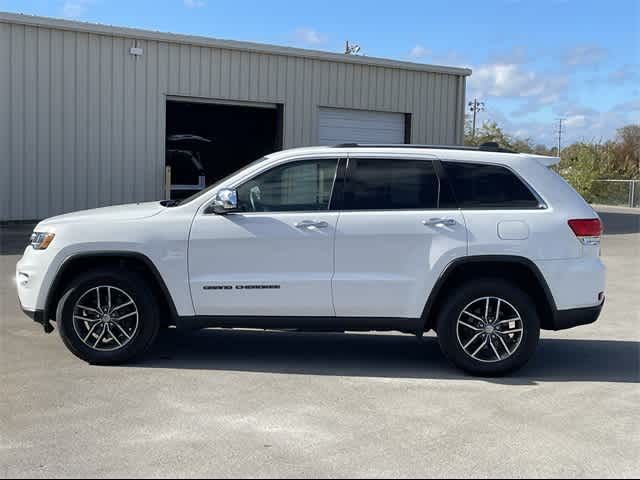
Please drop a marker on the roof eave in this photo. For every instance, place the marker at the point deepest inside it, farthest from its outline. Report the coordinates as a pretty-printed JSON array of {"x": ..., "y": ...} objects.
[{"x": 86, "y": 27}]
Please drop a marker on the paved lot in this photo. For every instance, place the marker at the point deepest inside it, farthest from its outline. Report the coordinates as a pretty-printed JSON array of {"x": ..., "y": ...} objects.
[{"x": 252, "y": 404}]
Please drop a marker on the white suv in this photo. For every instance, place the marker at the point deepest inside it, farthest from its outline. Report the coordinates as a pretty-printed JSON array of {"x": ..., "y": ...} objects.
[{"x": 484, "y": 246}]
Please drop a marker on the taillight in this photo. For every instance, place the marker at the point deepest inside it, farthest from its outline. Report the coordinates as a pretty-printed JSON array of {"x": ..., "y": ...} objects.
[{"x": 587, "y": 230}]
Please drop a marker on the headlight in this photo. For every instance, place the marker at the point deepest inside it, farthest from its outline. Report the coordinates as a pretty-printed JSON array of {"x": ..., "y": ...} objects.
[{"x": 41, "y": 240}]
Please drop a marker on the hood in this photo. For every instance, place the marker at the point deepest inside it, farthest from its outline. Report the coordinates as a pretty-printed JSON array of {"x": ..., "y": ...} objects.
[{"x": 119, "y": 213}]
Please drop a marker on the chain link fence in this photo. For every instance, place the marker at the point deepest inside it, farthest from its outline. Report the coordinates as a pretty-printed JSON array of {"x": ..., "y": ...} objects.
[{"x": 617, "y": 192}]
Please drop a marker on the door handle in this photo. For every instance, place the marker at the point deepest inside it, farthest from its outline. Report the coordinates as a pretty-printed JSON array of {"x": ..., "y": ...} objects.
[
  {"x": 311, "y": 224},
  {"x": 439, "y": 222}
]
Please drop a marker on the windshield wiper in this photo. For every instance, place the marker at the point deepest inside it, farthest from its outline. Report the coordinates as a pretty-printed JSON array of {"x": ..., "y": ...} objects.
[{"x": 169, "y": 203}]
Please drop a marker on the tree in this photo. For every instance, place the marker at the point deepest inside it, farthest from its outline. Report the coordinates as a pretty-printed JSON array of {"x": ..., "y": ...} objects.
[
  {"x": 487, "y": 132},
  {"x": 581, "y": 165},
  {"x": 490, "y": 131},
  {"x": 627, "y": 151}
]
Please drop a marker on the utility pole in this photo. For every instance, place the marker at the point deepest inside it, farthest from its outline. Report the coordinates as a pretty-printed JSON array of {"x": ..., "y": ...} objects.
[
  {"x": 560, "y": 120},
  {"x": 475, "y": 107}
]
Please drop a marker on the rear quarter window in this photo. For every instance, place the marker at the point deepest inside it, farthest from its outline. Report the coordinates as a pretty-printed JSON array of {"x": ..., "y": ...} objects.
[{"x": 483, "y": 186}]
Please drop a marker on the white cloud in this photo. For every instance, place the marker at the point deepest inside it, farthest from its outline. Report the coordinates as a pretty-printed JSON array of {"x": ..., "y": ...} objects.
[
  {"x": 453, "y": 58},
  {"x": 419, "y": 51},
  {"x": 538, "y": 132},
  {"x": 596, "y": 127},
  {"x": 584, "y": 55},
  {"x": 569, "y": 109},
  {"x": 75, "y": 8},
  {"x": 194, "y": 3},
  {"x": 625, "y": 74},
  {"x": 510, "y": 80},
  {"x": 628, "y": 107},
  {"x": 450, "y": 57},
  {"x": 516, "y": 55},
  {"x": 576, "y": 121},
  {"x": 580, "y": 124},
  {"x": 309, "y": 36},
  {"x": 514, "y": 89}
]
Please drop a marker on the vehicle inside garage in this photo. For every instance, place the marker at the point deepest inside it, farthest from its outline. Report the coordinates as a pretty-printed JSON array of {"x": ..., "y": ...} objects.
[{"x": 207, "y": 141}]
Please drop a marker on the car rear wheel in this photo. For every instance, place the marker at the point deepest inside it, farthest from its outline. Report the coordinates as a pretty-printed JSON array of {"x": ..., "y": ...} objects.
[
  {"x": 488, "y": 327},
  {"x": 108, "y": 317}
]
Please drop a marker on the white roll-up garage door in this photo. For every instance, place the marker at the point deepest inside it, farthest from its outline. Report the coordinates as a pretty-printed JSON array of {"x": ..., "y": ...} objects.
[{"x": 338, "y": 125}]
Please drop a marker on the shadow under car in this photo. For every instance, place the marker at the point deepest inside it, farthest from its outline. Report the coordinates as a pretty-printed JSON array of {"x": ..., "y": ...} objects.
[{"x": 380, "y": 355}]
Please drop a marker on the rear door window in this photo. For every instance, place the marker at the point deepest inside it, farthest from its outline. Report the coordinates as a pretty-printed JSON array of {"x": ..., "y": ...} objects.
[
  {"x": 484, "y": 186},
  {"x": 392, "y": 184}
]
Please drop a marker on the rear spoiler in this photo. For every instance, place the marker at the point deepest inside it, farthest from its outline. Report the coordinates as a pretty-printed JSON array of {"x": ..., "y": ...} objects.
[{"x": 544, "y": 160}]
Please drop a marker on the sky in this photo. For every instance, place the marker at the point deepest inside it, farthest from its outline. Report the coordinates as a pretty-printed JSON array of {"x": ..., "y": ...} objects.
[{"x": 533, "y": 61}]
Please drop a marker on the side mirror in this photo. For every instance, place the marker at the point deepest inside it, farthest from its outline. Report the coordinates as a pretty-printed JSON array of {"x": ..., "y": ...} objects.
[{"x": 225, "y": 201}]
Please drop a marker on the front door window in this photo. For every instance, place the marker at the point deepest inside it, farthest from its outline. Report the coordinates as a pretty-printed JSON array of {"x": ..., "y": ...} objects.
[{"x": 303, "y": 186}]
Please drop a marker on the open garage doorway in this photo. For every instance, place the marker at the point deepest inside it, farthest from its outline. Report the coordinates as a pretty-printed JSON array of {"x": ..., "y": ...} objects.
[{"x": 207, "y": 141}]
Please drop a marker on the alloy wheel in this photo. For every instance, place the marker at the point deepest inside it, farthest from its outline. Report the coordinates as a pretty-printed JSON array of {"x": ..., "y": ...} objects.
[
  {"x": 106, "y": 318},
  {"x": 490, "y": 329}
]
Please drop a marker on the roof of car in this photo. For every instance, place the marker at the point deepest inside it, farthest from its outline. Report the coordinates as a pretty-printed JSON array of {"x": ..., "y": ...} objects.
[{"x": 490, "y": 153}]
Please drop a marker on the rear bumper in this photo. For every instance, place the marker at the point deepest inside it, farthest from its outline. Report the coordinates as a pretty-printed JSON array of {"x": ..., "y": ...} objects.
[
  {"x": 565, "y": 319},
  {"x": 575, "y": 283}
]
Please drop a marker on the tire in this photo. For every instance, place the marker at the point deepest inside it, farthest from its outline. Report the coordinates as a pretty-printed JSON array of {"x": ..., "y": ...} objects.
[
  {"x": 137, "y": 326},
  {"x": 502, "y": 347}
]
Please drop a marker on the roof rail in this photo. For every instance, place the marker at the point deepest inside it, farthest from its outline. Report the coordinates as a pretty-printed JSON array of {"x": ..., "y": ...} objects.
[
  {"x": 494, "y": 147},
  {"x": 485, "y": 147}
]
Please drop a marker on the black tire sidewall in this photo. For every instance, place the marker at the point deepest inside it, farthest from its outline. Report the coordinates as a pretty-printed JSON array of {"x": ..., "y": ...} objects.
[
  {"x": 136, "y": 288},
  {"x": 447, "y": 326}
]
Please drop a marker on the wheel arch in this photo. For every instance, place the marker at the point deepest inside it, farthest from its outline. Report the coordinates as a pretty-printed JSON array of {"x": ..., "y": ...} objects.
[
  {"x": 520, "y": 270},
  {"x": 83, "y": 262}
]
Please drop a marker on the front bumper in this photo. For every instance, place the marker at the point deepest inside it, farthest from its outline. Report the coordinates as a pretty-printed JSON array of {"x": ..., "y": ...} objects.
[
  {"x": 565, "y": 319},
  {"x": 38, "y": 316},
  {"x": 33, "y": 277},
  {"x": 27, "y": 294}
]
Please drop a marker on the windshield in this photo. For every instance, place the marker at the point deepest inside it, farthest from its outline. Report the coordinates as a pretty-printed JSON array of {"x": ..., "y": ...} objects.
[{"x": 211, "y": 187}]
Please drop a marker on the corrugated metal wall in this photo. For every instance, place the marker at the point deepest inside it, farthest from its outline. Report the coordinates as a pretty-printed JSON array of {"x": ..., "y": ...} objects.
[{"x": 82, "y": 120}]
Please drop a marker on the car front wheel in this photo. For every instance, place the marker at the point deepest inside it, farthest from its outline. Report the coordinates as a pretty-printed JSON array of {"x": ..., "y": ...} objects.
[{"x": 108, "y": 317}]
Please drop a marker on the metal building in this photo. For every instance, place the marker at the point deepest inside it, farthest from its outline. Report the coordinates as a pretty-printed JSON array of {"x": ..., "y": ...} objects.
[{"x": 91, "y": 115}]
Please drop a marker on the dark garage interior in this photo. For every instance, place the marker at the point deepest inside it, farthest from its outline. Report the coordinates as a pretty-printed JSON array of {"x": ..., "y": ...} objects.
[{"x": 208, "y": 141}]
